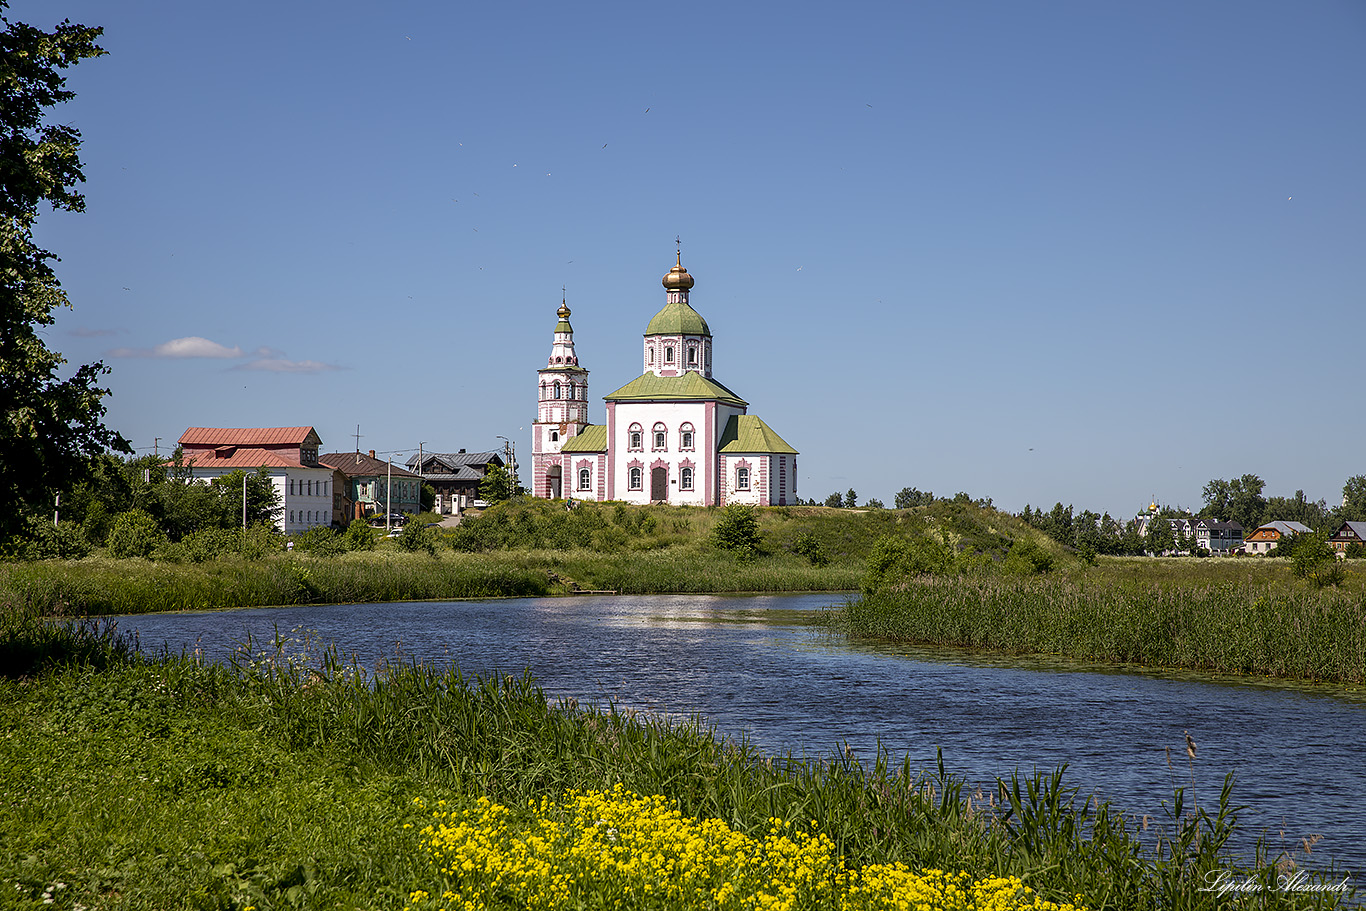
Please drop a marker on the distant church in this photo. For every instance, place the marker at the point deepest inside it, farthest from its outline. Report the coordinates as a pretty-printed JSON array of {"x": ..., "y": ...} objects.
[{"x": 673, "y": 434}]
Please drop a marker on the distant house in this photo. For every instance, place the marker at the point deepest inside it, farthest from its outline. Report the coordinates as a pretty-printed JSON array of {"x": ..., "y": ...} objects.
[
  {"x": 455, "y": 476},
  {"x": 1264, "y": 538},
  {"x": 1348, "y": 533},
  {"x": 374, "y": 486},
  {"x": 1219, "y": 538},
  {"x": 289, "y": 455}
]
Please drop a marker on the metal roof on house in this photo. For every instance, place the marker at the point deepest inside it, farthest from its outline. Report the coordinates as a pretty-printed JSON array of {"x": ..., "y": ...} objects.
[
  {"x": 248, "y": 457},
  {"x": 201, "y": 437},
  {"x": 362, "y": 465},
  {"x": 677, "y": 318},
  {"x": 690, "y": 386},
  {"x": 592, "y": 438},
  {"x": 747, "y": 433},
  {"x": 1284, "y": 528},
  {"x": 1358, "y": 528},
  {"x": 452, "y": 462}
]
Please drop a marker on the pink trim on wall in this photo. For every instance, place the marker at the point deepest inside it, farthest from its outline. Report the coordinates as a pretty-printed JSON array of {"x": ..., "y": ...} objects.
[
  {"x": 712, "y": 463},
  {"x": 609, "y": 476}
]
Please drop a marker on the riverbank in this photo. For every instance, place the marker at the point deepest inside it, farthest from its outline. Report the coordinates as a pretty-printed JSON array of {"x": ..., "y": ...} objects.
[
  {"x": 288, "y": 780},
  {"x": 1232, "y": 617}
]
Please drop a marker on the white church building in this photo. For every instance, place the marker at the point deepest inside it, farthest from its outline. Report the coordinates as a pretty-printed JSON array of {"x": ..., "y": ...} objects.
[{"x": 673, "y": 435}]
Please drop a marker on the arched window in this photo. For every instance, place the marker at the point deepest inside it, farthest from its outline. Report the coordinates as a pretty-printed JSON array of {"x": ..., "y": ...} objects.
[
  {"x": 585, "y": 477},
  {"x": 685, "y": 437},
  {"x": 668, "y": 354},
  {"x": 742, "y": 479},
  {"x": 554, "y": 436},
  {"x": 635, "y": 437},
  {"x": 557, "y": 390},
  {"x": 650, "y": 353},
  {"x": 692, "y": 355},
  {"x": 634, "y": 477},
  {"x": 661, "y": 434},
  {"x": 685, "y": 478}
]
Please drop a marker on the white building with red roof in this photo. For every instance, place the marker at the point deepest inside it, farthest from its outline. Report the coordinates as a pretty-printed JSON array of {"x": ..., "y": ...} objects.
[{"x": 289, "y": 455}]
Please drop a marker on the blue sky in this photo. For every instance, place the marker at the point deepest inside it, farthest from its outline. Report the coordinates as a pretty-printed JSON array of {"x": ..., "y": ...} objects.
[{"x": 1076, "y": 251}]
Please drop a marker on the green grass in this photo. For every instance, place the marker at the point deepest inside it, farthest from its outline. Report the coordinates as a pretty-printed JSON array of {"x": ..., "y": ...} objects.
[
  {"x": 286, "y": 781},
  {"x": 1226, "y": 616}
]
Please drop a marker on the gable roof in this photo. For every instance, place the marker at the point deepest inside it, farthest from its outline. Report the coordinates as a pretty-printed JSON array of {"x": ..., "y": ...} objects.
[
  {"x": 689, "y": 386},
  {"x": 1358, "y": 529},
  {"x": 246, "y": 457},
  {"x": 592, "y": 438},
  {"x": 207, "y": 437},
  {"x": 1284, "y": 528},
  {"x": 361, "y": 465},
  {"x": 453, "y": 462},
  {"x": 747, "y": 433}
]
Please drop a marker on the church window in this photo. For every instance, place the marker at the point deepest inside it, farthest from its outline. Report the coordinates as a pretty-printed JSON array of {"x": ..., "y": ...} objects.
[
  {"x": 685, "y": 478},
  {"x": 742, "y": 479},
  {"x": 557, "y": 390},
  {"x": 636, "y": 436},
  {"x": 554, "y": 436},
  {"x": 668, "y": 354},
  {"x": 634, "y": 477},
  {"x": 685, "y": 436},
  {"x": 661, "y": 436},
  {"x": 651, "y": 354},
  {"x": 585, "y": 477},
  {"x": 692, "y": 356}
]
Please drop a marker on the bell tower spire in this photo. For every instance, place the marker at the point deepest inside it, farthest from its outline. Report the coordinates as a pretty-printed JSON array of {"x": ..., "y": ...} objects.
[{"x": 561, "y": 404}]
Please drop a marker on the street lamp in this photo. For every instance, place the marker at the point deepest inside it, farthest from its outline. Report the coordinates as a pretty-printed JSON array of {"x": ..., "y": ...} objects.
[{"x": 510, "y": 451}]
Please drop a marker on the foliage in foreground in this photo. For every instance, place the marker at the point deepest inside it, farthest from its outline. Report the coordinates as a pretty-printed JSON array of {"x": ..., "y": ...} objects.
[
  {"x": 589, "y": 848},
  {"x": 287, "y": 780}
]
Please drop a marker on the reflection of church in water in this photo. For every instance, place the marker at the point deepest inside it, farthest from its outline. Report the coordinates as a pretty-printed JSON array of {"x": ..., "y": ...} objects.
[{"x": 673, "y": 434}]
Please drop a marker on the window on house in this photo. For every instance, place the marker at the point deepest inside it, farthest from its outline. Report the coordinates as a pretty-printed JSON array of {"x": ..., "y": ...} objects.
[
  {"x": 633, "y": 478},
  {"x": 685, "y": 437},
  {"x": 637, "y": 435},
  {"x": 685, "y": 478},
  {"x": 585, "y": 477},
  {"x": 291, "y": 517},
  {"x": 291, "y": 487},
  {"x": 742, "y": 479},
  {"x": 661, "y": 436}
]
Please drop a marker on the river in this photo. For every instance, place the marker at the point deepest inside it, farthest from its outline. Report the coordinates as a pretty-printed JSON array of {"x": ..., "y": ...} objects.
[{"x": 756, "y": 666}]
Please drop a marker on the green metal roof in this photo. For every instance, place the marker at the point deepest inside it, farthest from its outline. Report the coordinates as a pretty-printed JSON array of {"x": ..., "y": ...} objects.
[
  {"x": 592, "y": 438},
  {"x": 562, "y": 368},
  {"x": 746, "y": 433},
  {"x": 678, "y": 319},
  {"x": 563, "y": 326},
  {"x": 690, "y": 386}
]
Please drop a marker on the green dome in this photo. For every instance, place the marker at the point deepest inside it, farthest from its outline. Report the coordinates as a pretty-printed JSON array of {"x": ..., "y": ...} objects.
[{"x": 678, "y": 319}]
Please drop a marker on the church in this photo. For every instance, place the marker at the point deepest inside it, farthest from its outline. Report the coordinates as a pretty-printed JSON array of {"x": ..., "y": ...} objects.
[{"x": 672, "y": 435}]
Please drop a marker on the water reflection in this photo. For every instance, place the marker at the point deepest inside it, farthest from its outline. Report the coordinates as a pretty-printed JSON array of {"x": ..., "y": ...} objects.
[{"x": 758, "y": 667}]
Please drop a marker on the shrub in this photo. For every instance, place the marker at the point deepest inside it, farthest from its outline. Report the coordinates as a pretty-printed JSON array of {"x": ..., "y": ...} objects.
[
  {"x": 737, "y": 530},
  {"x": 41, "y": 540},
  {"x": 261, "y": 540},
  {"x": 358, "y": 536},
  {"x": 320, "y": 541},
  {"x": 894, "y": 558},
  {"x": 135, "y": 534},
  {"x": 416, "y": 537},
  {"x": 809, "y": 546},
  {"x": 1027, "y": 558},
  {"x": 1314, "y": 559},
  {"x": 210, "y": 544}
]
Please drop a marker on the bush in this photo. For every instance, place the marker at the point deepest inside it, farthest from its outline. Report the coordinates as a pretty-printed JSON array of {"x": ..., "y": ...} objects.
[
  {"x": 1314, "y": 559},
  {"x": 894, "y": 558},
  {"x": 321, "y": 542},
  {"x": 39, "y": 539},
  {"x": 261, "y": 540},
  {"x": 416, "y": 537},
  {"x": 809, "y": 546},
  {"x": 135, "y": 534},
  {"x": 737, "y": 530},
  {"x": 1027, "y": 558},
  {"x": 210, "y": 544},
  {"x": 358, "y": 536}
]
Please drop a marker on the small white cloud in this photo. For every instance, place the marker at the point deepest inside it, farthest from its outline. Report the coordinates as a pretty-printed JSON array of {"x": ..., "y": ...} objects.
[
  {"x": 281, "y": 365},
  {"x": 190, "y": 346}
]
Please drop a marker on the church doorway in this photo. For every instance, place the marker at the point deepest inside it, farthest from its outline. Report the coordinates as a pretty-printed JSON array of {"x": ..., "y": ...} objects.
[
  {"x": 659, "y": 484},
  {"x": 553, "y": 482}
]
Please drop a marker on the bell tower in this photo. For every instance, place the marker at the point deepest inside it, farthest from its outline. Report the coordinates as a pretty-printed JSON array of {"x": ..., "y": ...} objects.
[{"x": 561, "y": 407}]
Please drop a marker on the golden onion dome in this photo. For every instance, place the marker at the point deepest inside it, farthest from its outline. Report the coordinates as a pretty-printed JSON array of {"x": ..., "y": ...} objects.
[
  {"x": 678, "y": 278},
  {"x": 563, "y": 312}
]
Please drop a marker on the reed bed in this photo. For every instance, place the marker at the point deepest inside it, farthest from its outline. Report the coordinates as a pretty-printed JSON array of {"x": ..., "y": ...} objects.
[
  {"x": 1252, "y": 625},
  {"x": 288, "y": 779}
]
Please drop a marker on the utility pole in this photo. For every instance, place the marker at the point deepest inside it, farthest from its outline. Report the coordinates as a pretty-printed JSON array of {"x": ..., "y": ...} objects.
[
  {"x": 388, "y": 496},
  {"x": 156, "y": 447}
]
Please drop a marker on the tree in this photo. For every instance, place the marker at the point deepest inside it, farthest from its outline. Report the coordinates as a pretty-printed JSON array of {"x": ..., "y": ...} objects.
[
  {"x": 834, "y": 500},
  {"x": 851, "y": 499},
  {"x": 263, "y": 500},
  {"x": 1159, "y": 538},
  {"x": 910, "y": 497},
  {"x": 874, "y": 503},
  {"x": 52, "y": 427},
  {"x": 1240, "y": 500},
  {"x": 1299, "y": 508},
  {"x": 497, "y": 485},
  {"x": 737, "y": 530},
  {"x": 1353, "y": 507}
]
